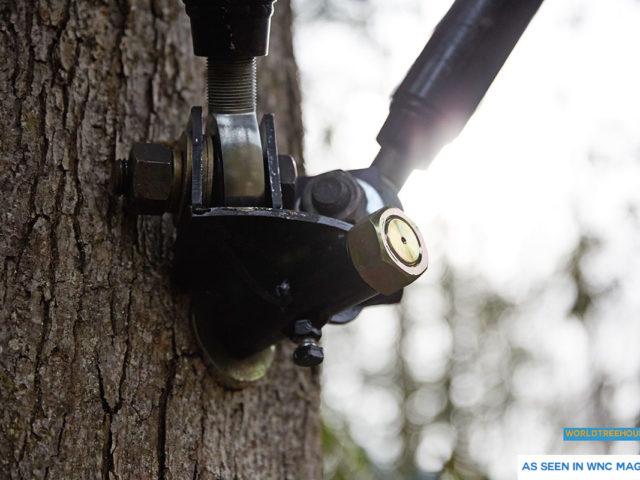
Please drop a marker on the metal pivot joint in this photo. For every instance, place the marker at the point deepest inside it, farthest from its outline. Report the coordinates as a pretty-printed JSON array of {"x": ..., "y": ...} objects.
[{"x": 267, "y": 254}]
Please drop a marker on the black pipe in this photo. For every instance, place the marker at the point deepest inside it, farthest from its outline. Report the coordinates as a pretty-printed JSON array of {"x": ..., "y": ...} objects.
[{"x": 446, "y": 83}]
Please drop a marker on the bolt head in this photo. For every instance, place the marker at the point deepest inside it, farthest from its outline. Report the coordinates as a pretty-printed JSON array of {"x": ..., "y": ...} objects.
[
  {"x": 336, "y": 194},
  {"x": 151, "y": 177},
  {"x": 330, "y": 194},
  {"x": 308, "y": 355},
  {"x": 387, "y": 250}
]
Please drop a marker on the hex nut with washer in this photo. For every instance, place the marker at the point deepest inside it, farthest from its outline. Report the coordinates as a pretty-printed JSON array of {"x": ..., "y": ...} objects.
[
  {"x": 387, "y": 250},
  {"x": 146, "y": 178}
]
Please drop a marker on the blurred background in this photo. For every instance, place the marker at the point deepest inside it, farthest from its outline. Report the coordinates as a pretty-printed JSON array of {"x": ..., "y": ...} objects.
[{"x": 528, "y": 319}]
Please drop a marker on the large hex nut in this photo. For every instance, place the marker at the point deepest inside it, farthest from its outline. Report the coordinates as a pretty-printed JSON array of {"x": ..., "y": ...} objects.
[
  {"x": 387, "y": 250},
  {"x": 152, "y": 177}
]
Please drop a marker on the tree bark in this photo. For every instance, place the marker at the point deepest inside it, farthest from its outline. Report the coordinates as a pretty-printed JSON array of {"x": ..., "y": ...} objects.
[{"x": 100, "y": 376}]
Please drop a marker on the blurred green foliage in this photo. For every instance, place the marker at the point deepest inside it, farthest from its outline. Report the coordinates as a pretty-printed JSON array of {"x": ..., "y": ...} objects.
[{"x": 343, "y": 458}]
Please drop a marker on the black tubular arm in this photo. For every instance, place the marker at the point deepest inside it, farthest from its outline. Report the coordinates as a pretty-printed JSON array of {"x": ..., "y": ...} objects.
[{"x": 447, "y": 82}]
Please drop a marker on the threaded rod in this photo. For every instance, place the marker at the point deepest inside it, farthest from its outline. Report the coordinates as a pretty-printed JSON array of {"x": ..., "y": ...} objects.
[
  {"x": 121, "y": 176},
  {"x": 231, "y": 85}
]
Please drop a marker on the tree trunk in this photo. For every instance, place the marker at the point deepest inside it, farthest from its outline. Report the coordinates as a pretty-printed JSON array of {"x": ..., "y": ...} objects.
[{"x": 100, "y": 375}]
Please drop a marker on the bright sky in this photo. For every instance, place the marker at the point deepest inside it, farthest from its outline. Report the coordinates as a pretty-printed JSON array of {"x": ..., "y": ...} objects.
[{"x": 554, "y": 149}]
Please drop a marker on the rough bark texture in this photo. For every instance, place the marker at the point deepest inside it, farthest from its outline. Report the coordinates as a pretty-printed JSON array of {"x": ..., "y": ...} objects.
[{"x": 99, "y": 373}]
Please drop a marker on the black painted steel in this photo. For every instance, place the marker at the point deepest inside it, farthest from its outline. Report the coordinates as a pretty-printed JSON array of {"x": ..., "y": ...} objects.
[
  {"x": 258, "y": 275},
  {"x": 230, "y": 29},
  {"x": 194, "y": 129},
  {"x": 255, "y": 271},
  {"x": 448, "y": 80},
  {"x": 271, "y": 164}
]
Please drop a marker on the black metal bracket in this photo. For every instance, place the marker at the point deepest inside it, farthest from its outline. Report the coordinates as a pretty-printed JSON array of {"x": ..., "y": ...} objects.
[
  {"x": 257, "y": 273},
  {"x": 268, "y": 255}
]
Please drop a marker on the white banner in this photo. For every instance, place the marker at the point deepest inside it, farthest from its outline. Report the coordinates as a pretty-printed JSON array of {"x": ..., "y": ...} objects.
[{"x": 578, "y": 467}]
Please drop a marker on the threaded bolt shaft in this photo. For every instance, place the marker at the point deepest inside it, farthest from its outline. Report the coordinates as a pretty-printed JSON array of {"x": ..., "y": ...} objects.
[
  {"x": 231, "y": 85},
  {"x": 120, "y": 176}
]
